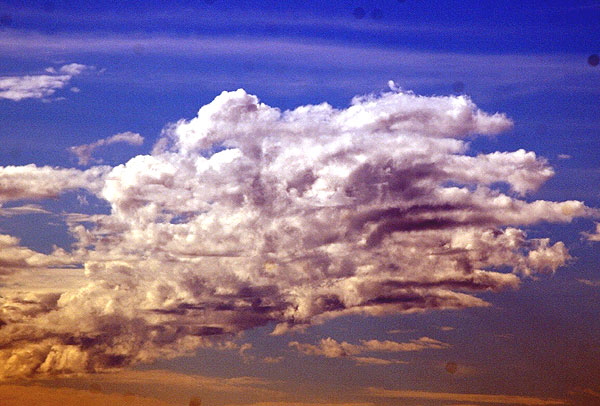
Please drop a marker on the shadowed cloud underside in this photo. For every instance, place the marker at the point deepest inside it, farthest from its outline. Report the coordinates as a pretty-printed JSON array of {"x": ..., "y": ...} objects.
[{"x": 248, "y": 215}]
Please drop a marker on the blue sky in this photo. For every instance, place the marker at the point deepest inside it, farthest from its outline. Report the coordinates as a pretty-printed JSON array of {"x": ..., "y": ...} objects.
[{"x": 76, "y": 73}]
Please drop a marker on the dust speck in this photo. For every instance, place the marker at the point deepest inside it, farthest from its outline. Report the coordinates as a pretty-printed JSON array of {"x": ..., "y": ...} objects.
[{"x": 451, "y": 368}]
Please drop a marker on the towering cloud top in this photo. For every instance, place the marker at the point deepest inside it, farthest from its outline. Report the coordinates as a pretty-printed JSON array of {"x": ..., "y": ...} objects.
[{"x": 247, "y": 215}]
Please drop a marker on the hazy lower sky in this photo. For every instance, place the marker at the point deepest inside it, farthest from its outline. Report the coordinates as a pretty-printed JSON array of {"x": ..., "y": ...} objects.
[{"x": 299, "y": 203}]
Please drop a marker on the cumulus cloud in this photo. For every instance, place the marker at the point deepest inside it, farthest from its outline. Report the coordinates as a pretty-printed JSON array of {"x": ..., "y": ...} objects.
[
  {"x": 330, "y": 348},
  {"x": 14, "y": 257},
  {"x": 84, "y": 152},
  {"x": 248, "y": 215},
  {"x": 17, "y": 88},
  {"x": 34, "y": 182}
]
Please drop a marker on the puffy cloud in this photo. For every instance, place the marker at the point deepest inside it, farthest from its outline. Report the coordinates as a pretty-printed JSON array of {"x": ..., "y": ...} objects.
[
  {"x": 84, "y": 152},
  {"x": 331, "y": 348},
  {"x": 73, "y": 69},
  {"x": 248, "y": 215},
  {"x": 38, "y": 86},
  {"x": 420, "y": 344},
  {"x": 34, "y": 182},
  {"x": 14, "y": 257}
]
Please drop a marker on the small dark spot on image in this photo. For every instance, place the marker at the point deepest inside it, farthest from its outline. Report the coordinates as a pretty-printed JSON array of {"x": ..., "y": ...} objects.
[
  {"x": 48, "y": 6},
  {"x": 209, "y": 2},
  {"x": 51, "y": 28},
  {"x": 594, "y": 60},
  {"x": 5, "y": 20},
  {"x": 15, "y": 153},
  {"x": 451, "y": 368},
  {"x": 272, "y": 29},
  {"x": 248, "y": 66},
  {"x": 138, "y": 49},
  {"x": 377, "y": 14},
  {"x": 195, "y": 401},
  {"x": 359, "y": 13},
  {"x": 94, "y": 387},
  {"x": 458, "y": 87},
  {"x": 401, "y": 1},
  {"x": 541, "y": 129}
]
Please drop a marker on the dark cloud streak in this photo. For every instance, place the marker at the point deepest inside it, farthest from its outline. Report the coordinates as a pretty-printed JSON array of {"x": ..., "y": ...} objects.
[{"x": 293, "y": 218}]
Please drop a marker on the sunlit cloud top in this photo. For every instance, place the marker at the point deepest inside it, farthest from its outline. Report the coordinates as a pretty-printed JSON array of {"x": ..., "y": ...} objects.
[{"x": 247, "y": 215}]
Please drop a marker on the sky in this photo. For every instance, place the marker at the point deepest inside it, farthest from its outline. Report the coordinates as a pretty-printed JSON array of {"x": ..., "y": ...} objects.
[{"x": 240, "y": 203}]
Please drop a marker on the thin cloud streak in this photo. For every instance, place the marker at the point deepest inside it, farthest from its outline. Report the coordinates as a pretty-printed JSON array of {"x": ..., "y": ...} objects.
[
  {"x": 594, "y": 236},
  {"x": 365, "y": 56},
  {"x": 17, "y": 88},
  {"x": 84, "y": 152},
  {"x": 21, "y": 210},
  {"x": 324, "y": 403},
  {"x": 283, "y": 61},
  {"x": 464, "y": 397},
  {"x": 16, "y": 395},
  {"x": 588, "y": 282},
  {"x": 247, "y": 385},
  {"x": 330, "y": 348}
]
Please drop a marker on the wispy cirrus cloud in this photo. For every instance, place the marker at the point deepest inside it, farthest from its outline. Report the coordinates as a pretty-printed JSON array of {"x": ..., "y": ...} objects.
[
  {"x": 323, "y": 403},
  {"x": 246, "y": 385},
  {"x": 18, "y": 88},
  {"x": 24, "y": 209},
  {"x": 296, "y": 52},
  {"x": 589, "y": 282},
  {"x": 465, "y": 397},
  {"x": 267, "y": 62},
  {"x": 594, "y": 236},
  {"x": 245, "y": 215},
  {"x": 84, "y": 152}
]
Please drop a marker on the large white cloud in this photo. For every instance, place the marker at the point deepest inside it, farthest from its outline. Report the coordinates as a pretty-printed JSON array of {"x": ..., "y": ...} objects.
[{"x": 247, "y": 215}]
